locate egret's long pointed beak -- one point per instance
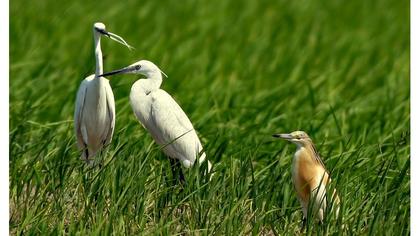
(119, 71)
(104, 32)
(283, 136)
(115, 37)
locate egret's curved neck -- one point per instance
(98, 54)
(146, 86)
(154, 80)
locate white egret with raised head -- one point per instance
(94, 115)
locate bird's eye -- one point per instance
(138, 67)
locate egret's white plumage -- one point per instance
(159, 113)
(94, 115)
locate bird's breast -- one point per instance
(305, 173)
(95, 111)
(141, 104)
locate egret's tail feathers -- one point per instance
(209, 165)
(209, 169)
(202, 159)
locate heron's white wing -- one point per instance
(80, 102)
(170, 125)
(111, 112)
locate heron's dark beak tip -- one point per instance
(276, 135)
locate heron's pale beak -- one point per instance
(119, 71)
(283, 136)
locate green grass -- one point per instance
(241, 70)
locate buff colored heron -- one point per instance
(310, 176)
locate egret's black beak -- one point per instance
(104, 32)
(283, 136)
(119, 71)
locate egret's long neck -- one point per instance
(146, 86)
(154, 80)
(98, 54)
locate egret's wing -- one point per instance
(110, 102)
(162, 101)
(171, 125)
(168, 116)
(80, 102)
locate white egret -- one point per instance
(94, 115)
(162, 116)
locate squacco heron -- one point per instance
(309, 175)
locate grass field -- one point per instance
(241, 70)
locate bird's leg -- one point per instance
(302, 228)
(102, 159)
(181, 175)
(86, 158)
(173, 164)
(176, 167)
(321, 225)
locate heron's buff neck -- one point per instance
(98, 54)
(310, 151)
